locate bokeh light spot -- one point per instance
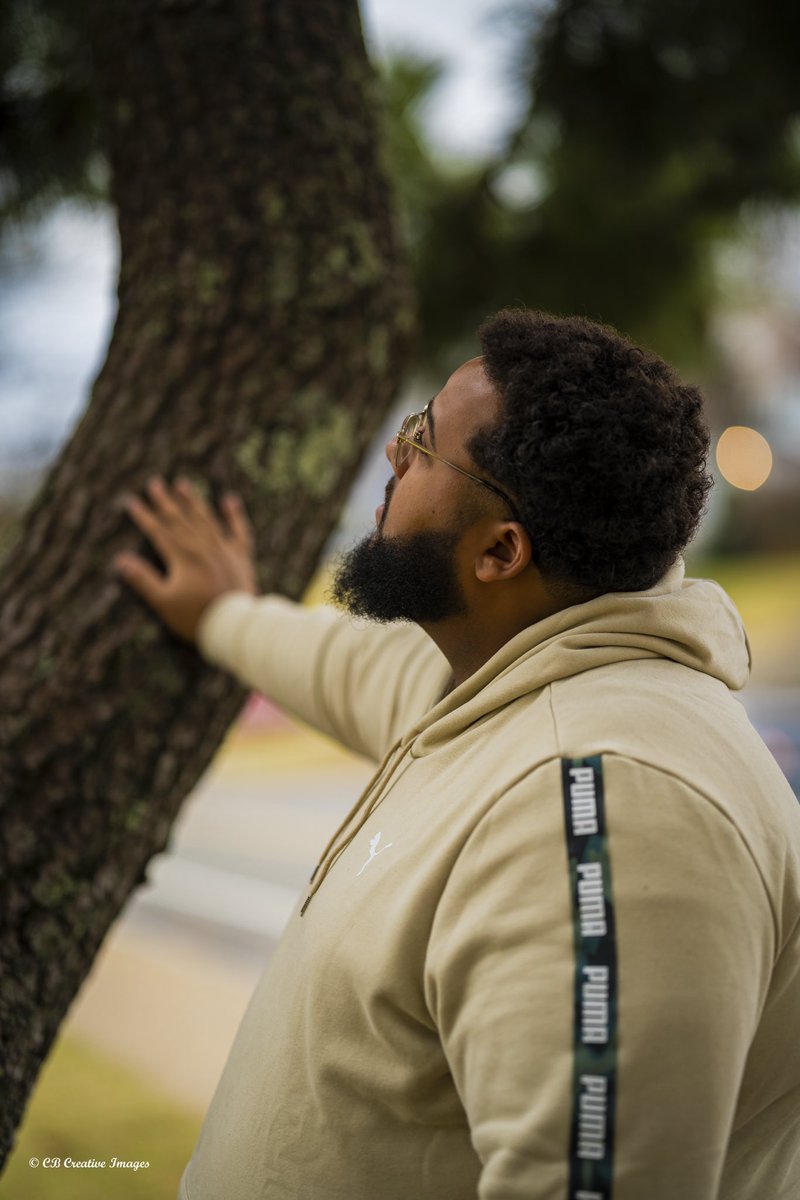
(744, 457)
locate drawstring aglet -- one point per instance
(305, 906)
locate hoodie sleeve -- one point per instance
(596, 997)
(355, 681)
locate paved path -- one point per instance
(168, 991)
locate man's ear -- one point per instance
(507, 556)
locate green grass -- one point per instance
(85, 1106)
(763, 586)
(765, 590)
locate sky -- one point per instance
(57, 282)
(475, 103)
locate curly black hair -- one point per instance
(602, 446)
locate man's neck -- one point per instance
(468, 642)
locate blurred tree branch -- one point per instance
(645, 132)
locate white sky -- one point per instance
(474, 104)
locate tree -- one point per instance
(263, 319)
(50, 143)
(644, 132)
(647, 124)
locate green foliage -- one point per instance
(644, 130)
(663, 120)
(49, 138)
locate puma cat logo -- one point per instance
(374, 851)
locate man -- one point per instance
(553, 950)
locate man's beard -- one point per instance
(400, 578)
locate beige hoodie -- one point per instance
(553, 952)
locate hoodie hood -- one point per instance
(692, 622)
(688, 621)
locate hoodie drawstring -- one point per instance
(338, 844)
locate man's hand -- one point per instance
(203, 557)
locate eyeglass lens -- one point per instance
(408, 429)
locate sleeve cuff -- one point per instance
(219, 625)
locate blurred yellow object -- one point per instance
(744, 457)
(764, 588)
(317, 590)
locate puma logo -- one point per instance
(374, 851)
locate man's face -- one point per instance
(409, 569)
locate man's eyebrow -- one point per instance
(431, 423)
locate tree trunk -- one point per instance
(263, 317)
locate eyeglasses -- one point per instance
(410, 436)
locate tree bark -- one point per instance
(264, 313)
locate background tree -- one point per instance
(645, 131)
(262, 325)
(50, 141)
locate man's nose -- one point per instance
(391, 454)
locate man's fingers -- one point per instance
(163, 500)
(150, 524)
(195, 504)
(141, 576)
(238, 521)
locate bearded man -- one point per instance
(553, 950)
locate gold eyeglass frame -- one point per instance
(410, 434)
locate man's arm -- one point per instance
(363, 684)
(641, 1083)
(360, 683)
